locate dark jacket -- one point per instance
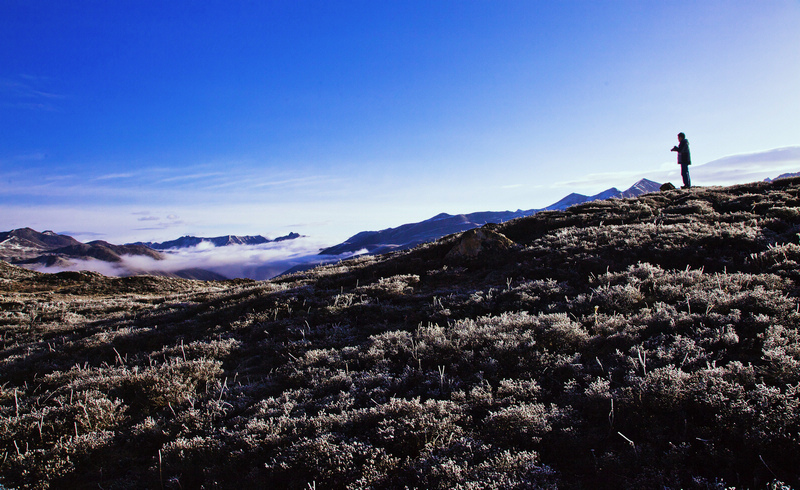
(684, 158)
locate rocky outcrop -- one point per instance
(477, 241)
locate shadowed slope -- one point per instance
(633, 343)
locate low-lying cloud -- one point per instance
(739, 169)
(258, 262)
(730, 170)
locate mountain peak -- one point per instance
(643, 186)
(26, 243)
(412, 234)
(219, 241)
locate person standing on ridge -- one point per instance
(684, 159)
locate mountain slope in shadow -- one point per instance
(627, 343)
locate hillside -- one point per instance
(412, 234)
(649, 342)
(25, 243)
(25, 246)
(98, 249)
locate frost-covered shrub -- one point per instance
(599, 388)
(391, 345)
(154, 386)
(672, 350)
(661, 390)
(619, 298)
(388, 287)
(521, 425)
(46, 468)
(185, 459)
(781, 347)
(518, 390)
(331, 462)
(406, 427)
(536, 295)
(790, 214)
(466, 464)
(210, 349)
(559, 333)
(634, 343)
(695, 206)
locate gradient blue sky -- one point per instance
(144, 120)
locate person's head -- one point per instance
(681, 136)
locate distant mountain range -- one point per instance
(25, 243)
(27, 246)
(47, 249)
(33, 249)
(220, 241)
(410, 235)
(783, 176)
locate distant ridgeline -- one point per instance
(783, 176)
(27, 246)
(220, 241)
(410, 235)
(49, 250)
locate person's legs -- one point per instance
(687, 181)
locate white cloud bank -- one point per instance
(739, 169)
(729, 170)
(233, 261)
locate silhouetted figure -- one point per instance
(684, 159)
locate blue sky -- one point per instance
(144, 120)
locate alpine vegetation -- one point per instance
(649, 342)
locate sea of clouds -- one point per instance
(258, 262)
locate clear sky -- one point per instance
(143, 120)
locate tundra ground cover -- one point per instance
(638, 343)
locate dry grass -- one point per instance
(639, 343)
